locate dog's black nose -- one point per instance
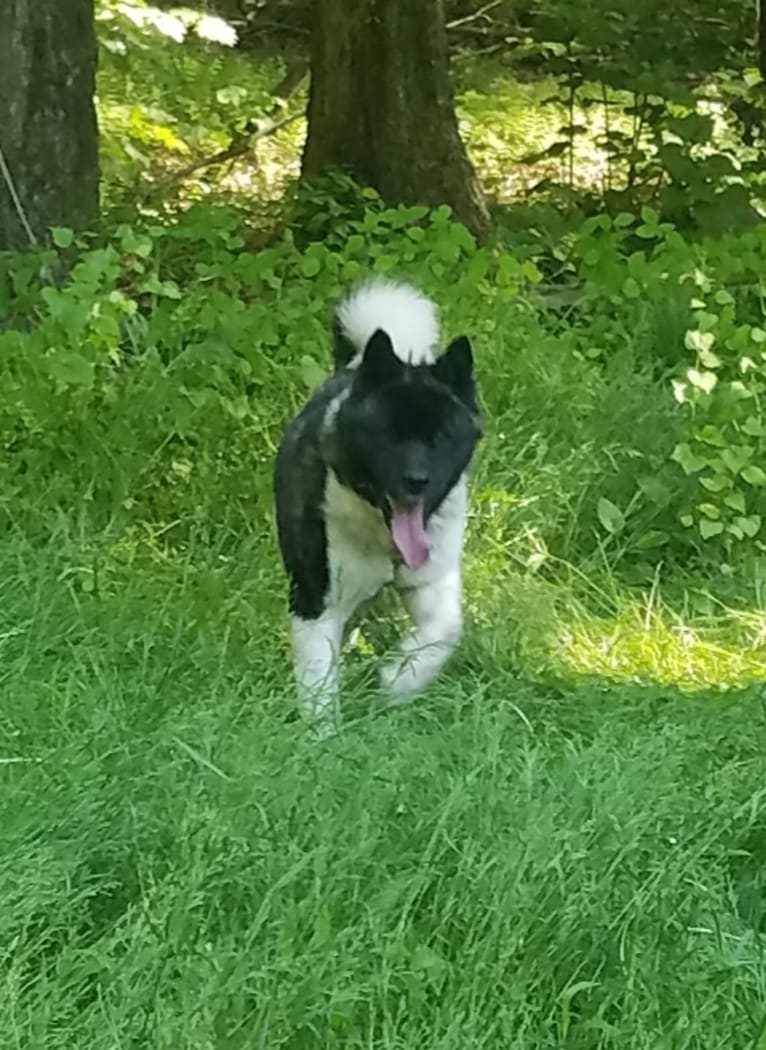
(415, 482)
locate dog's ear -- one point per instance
(455, 370)
(379, 363)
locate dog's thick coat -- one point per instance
(370, 489)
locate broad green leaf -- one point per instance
(655, 490)
(705, 322)
(710, 511)
(351, 270)
(448, 250)
(736, 501)
(716, 483)
(679, 390)
(709, 359)
(751, 526)
(310, 266)
(463, 237)
(610, 516)
(689, 461)
(652, 539)
(530, 272)
(697, 340)
(753, 427)
(702, 380)
(711, 435)
(62, 236)
(171, 290)
(724, 298)
(135, 243)
(737, 458)
(708, 529)
(754, 475)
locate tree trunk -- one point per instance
(381, 104)
(48, 132)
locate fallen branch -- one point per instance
(475, 16)
(295, 74)
(241, 144)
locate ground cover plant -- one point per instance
(562, 845)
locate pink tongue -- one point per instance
(409, 535)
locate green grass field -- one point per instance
(504, 864)
(563, 845)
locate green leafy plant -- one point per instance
(174, 93)
(722, 393)
(139, 380)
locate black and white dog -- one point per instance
(370, 489)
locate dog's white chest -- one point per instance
(359, 551)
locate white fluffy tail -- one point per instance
(408, 318)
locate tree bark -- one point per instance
(48, 131)
(381, 104)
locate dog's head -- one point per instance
(405, 434)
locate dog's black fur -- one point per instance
(388, 430)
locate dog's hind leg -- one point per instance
(316, 654)
(435, 608)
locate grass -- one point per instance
(562, 846)
(509, 863)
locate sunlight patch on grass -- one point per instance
(546, 618)
(545, 629)
(652, 645)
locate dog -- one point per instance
(370, 489)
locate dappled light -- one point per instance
(183, 113)
(176, 23)
(559, 622)
(653, 646)
(276, 277)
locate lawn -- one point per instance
(507, 863)
(562, 845)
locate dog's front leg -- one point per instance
(435, 608)
(316, 654)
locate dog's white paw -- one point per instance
(323, 727)
(400, 681)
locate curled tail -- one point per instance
(408, 318)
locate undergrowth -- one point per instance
(150, 374)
